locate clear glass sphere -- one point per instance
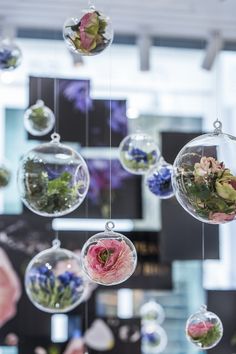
(53, 179)
(138, 153)
(54, 280)
(204, 329)
(5, 174)
(154, 339)
(89, 34)
(39, 120)
(109, 258)
(204, 178)
(152, 311)
(10, 55)
(159, 180)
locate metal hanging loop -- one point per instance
(110, 225)
(55, 138)
(218, 126)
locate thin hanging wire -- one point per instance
(110, 137)
(39, 88)
(203, 243)
(56, 105)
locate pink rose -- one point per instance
(109, 261)
(199, 329)
(208, 165)
(221, 217)
(10, 289)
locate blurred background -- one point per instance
(171, 71)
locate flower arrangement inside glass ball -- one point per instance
(204, 329)
(159, 180)
(10, 55)
(39, 119)
(109, 258)
(89, 34)
(53, 179)
(54, 280)
(138, 153)
(5, 175)
(204, 178)
(154, 338)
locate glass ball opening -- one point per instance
(53, 179)
(159, 180)
(204, 178)
(10, 55)
(54, 280)
(204, 329)
(89, 34)
(109, 258)
(39, 120)
(138, 153)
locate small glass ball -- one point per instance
(5, 175)
(138, 153)
(204, 329)
(152, 311)
(204, 178)
(10, 55)
(39, 120)
(89, 34)
(154, 339)
(54, 280)
(53, 179)
(159, 180)
(109, 258)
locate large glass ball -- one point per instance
(10, 55)
(54, 280)
(138, 153)
(39, 120)
(159, 180)
(89, 34)
(53, 179)
(154, 339)
(152, 311)
(109, 258)
(204, 329)
(204, 178)
(5, 174)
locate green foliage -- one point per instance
(211, 337)
(39, 118)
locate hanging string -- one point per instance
(39, 88)
(110, 137)
(56, 106)
(203, 243)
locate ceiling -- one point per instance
(171, 18)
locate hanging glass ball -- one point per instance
(53, 179)
(204, 177)
(154, 339)
(5, 175)
(89, 34)
(204, 329)
(138, 153)
(54, 280)
(152, 311)
(159, 180)
(109, 258)
(10, 55)
(39, 120)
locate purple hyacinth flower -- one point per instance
(138, 155)
(159, 182)
(5, 56)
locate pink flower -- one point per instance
(10, 289)
(208, 165)
(89, 27)
(200, 329)
(109, 261)
(75, 346)
(221, 217)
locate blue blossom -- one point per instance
(69, 278)
(5, 56)
(138, 155)
(159, 182)
(152, 337)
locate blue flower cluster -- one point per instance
(5, 57)
(159, 183)
(138, 155)
(153, 338)
(54, 292)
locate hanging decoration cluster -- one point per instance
(39, 120)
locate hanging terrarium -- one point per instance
(39, 120)
(5, 174)
(154, 339)
(152, 311)
(89, 34)
(109, 258)
(204, 329)
(54, 280)
(10, 55)
(204, 177)
(159, 180)
(53, 179)
(138, 153)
